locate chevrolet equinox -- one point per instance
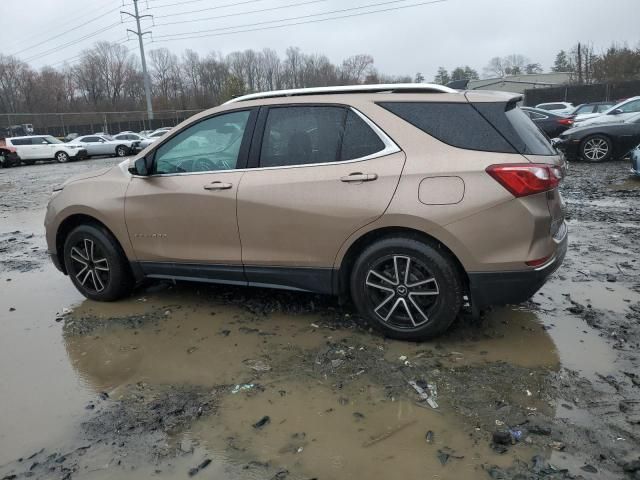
(415, 200)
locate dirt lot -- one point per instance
(189, 380)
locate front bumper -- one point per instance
(570, 148)
(80, 154)
(513, 287)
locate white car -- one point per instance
(600, 119)
(152, 138)
(45, 147)
(102, 145)
(557, 107)
(630, 105)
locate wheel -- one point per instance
(4, 163)
(121, 151)
(596, 148)
(62, 157)
(406, 289)
(96, 264)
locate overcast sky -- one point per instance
(404, 41)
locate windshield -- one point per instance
(51, 139)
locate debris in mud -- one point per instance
(387, 434)
(445, 453)
(243, 388)
(257, 365)
(429, 436)
(195, 470)
(88, 324)
(262, 422)
(427, 392)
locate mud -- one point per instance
(176, 381)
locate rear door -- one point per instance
(41, 149)
(321, 173)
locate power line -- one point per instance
(75, 27)
(170, 37)
(208, 8)
(174, 4)
(246, 12)
(72, 42)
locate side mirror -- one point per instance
(617, 111)
(142, 167)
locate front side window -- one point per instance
(631, 107)
(210, 145)
(39, 141)
(90, 139)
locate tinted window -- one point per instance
(457, 124)
(602, 108)
(359, 139)
(209, 145)
(39, 141)
(90, 139)
(535, 115)
(302, 136)
(21, 141)
(584, 109)
(527, 136)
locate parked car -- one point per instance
(601, 142)
(409, 198)
(129, 136)
(582, 111)
(145, 133)
(97, 145)
(600, 119)
(45, 147)
(630, 105)
(152, 138)
(635, 161)
(8, 155)
(557, 107)
(70, 137)
(550, 123)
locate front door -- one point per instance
(182, 219)
(323, 172)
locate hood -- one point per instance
(85, 176)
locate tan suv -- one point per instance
(413, 199)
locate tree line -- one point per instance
(108, 77)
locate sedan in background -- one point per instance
(152, 138)
(557, 107)
(630, 105)
(586, 109)
(98, 145)
(550, 123)
(635, 161)
(602, 142)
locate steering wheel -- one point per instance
(203, 164)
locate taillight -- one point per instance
(522, 179)
(566, 121)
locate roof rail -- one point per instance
(381, 88)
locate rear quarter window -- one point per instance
(456, 124)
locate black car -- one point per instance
(601, 142)
(552, 124)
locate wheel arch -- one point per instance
(73, 221)
(341, 280)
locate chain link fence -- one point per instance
(577, 94)
(62, 124)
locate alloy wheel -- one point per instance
(91, 267)
(401, 291)
(62, 157)
(121, 152)
(596, 149)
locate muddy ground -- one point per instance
(188, 380)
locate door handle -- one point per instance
(359, 177)
(218, 186)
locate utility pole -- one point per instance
(145, 74)
(579, 63)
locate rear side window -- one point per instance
(20, 141)
(359, 139)
(516, 127)
(456, 124)
(302, 136)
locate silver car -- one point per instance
(102, 145)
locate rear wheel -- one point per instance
(596, 148)
(62, 157)
(96, 264)
(406, 289)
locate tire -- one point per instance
(596, 148)
(121, 151)
(62, 157)
(4, 163)
(96, 264)
(418, 309)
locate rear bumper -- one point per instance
(513, 287)
(81, 154)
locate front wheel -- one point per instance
(122, 151)
(62, 157)
(596, 148)
(406, 289)
(96, 264)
